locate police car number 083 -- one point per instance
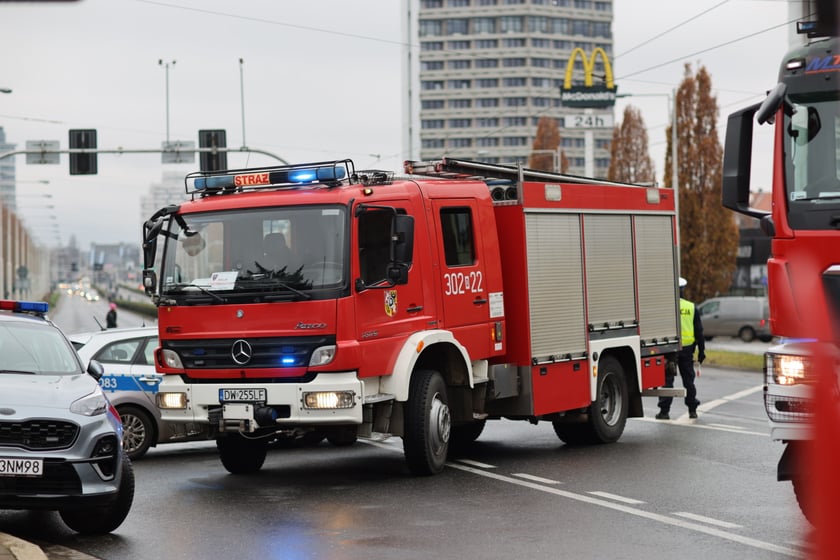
(10, 466)
(241, 395)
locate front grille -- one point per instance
(38, 434)
(276, 352)
(59, 478)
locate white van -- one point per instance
(746, 317)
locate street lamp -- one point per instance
(166, 66)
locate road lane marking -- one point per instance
(537, 478)
(476, 464)
(617, 498)
(729, 426)
(709, 520)
(693, 424)
(664, 519)
(729, 398)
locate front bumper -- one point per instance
(203, 404)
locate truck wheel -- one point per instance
(747, 334)
(138, 431)
(607, 415)
(241, 455)
(427, 423)
(104, 519)
(800, 489)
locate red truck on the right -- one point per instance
(803, 271)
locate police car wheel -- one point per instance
(138, 431)
(104, 519)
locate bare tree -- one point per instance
(708, 232)
(546, 142)
(630, 161)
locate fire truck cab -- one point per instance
(319, 299)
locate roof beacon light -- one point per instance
(269, 176)
(24, 306)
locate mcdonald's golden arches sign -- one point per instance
(589, 94)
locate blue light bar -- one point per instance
(269, 176)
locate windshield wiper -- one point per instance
(269, 283)
(24, 372)
(182, 287)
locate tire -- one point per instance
(342, 437)
(138, 431)
(427, 423)
(241, 455)
(463, 435)
(607, 416)
(800, 489)
(104, 519)
(747, 334)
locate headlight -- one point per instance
(177, 401)
(91, 405)
(787, 369)
(329, 399)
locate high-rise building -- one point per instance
(7, 174)
(489, 69)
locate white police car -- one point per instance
(59, 436)
(131, 384)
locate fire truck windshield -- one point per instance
(261, 254)
(812, 161)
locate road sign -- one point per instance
(49, 153)
(589, 121)
(177, 151)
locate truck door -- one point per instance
(463, 273)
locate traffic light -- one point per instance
(209, 161)
(83, 164)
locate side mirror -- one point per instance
(149, 281)
(95, 370)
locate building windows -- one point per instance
(514, 62)
(487, 2)
(486, 44)
(457, 45)
(460, 142)
(431, 46)
(601, 29)
(430, 27)
(514, 43)
(430, 85)
(489, 142)
(602, 144)
(458, 26)
(541, 82)
(515, 141)
(515, 101)
(431, 65)
(431, 123)
(431, 104)
(541, 43)
(459, 64)
(603, 6)
(432, 143)
(458, 3)
(487, 82)
(490, 122)
(460, 123)
(458, 84)
(514, 82)
(511, 24)
(484, 25)
(431, 4)
(541, 62)
(515, 121)
(487, 102)
(460, 103)
(602, 162)
(562, 45)
(538, 24)
(541, 102)
(487, 63)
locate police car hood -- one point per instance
(44, 391)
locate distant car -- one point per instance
(59, 436)
(131, 384)
(745, 317)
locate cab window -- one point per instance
(458, 244)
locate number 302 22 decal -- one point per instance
(457, 283)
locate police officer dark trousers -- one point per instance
(691, 332)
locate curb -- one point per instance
(20, 549)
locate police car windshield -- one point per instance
(37, 349)
(263, 253)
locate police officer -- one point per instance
(691, 332)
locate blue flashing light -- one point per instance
(302, 175)
(330, 173)
(287, 360)
(211, 183)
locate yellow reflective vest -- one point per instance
(686, 321)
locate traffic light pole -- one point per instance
(243, 149)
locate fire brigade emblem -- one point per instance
(391, 303)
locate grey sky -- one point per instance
(322, 80)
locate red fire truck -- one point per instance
(804, 224)
(319, 300)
